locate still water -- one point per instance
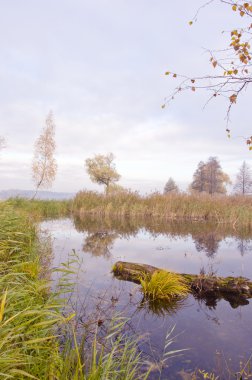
(217, 336)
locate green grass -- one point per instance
(163, 285)
(36, 340)
(234, 210)
(115, 357)
(29, 313)
(41, 209)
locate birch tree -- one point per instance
(44, 166)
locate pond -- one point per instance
(217, 334)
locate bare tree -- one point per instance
(243, 183)
(232, 64)
(101, 170)
(170, 186)
(44, 166)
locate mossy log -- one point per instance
(235, 290)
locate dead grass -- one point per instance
(235, 210)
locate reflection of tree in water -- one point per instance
(244, 246)
(208, 242)
(94, 224)
(99, 243)
(204, 234)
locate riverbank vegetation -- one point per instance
(37, 340)
(41, 209)
(29, 312)
(223, 209)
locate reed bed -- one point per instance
(41, 209)
(235, 210)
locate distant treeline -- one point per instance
(209, 178)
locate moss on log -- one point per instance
(235, 290)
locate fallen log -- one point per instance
(235, 290)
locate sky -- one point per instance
(99, 66)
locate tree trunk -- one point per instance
(235, 290)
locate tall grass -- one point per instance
(163, 285)
(115, 357)
(36, 340)
(196, 207)
(41, 209)
(28, 311)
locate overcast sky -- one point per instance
(99, 65)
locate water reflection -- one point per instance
(208, 243)
(121, 226)
(208, 325)
(103, 231)
(162, 308)
(211, 300)
(99, 243)
(244, 246)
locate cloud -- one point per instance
(100, 66)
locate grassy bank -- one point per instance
(218, 209)
(28, 311)
(36, 340)
(41, 209)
